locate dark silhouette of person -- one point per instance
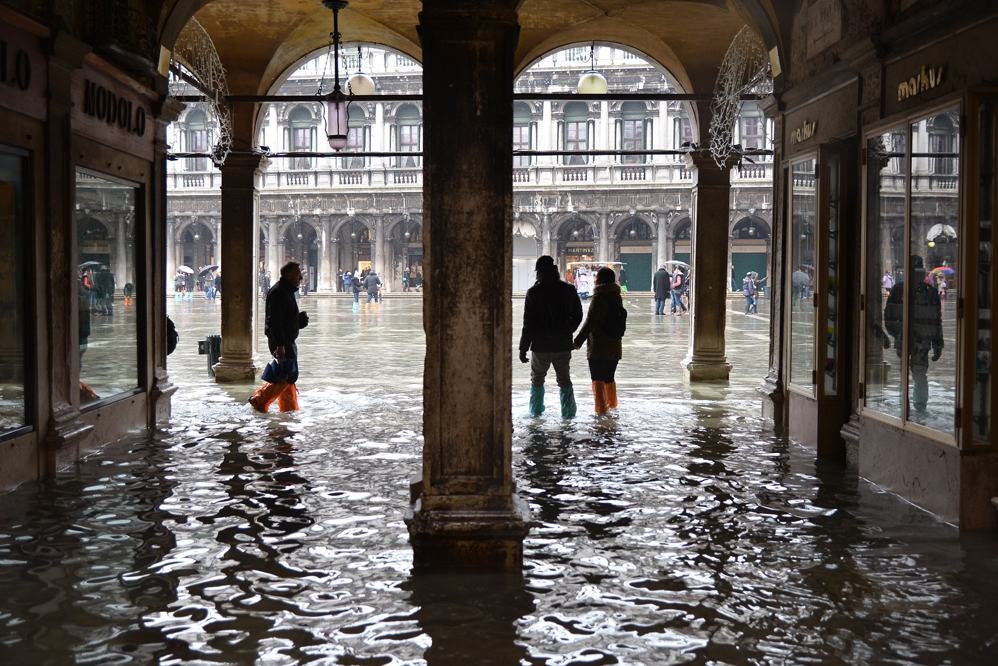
(925, 315)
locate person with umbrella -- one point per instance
(208, 279)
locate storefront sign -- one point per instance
(23, 79)
(804, 132)
(927, 79)
(113, 109)
(15, 66)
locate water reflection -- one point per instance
(678, 530)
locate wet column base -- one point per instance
(235, 370)
(703, 370)
(461, 538)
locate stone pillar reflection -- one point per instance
(120, 254)
(326, 281)
(240, 202)
(380, 261)
(273, 251)
(706, 360)
(465, 512)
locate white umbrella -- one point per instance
(187, 270)
(681, 264)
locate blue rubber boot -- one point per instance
(536, 400)
(568, 406)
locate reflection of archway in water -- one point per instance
(301, 245)
(634, 238)
(197, 244)
(576, 242)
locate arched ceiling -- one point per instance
(259, 39)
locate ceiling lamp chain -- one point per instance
(337, 104)
(592, 82)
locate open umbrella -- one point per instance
(186, 270)
(676, 262)
(90, 264)
(207, 269)
(945, 270)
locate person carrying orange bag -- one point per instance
(283, 321)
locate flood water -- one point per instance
(678, 531)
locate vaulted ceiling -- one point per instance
(258, 40)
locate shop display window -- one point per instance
(107, 286)
(985, 278)
(14, 272)
(804, 219)
(913, 271)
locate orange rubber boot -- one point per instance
(611, 395)
(265, 396)
(287, 401)
(599, 395)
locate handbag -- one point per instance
(279, 372)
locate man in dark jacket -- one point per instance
(551, 314)
(925, 319)
(662, 284)
(372, 283)
(281, 325)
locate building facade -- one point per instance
(336, 214)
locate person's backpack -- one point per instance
(615, 323)
(172, 337)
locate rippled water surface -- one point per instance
(677, 531)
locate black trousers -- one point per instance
(602, 371)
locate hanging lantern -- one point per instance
(592, 82)
(337, 114)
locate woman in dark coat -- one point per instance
(603, 351)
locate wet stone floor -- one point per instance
(677, 531)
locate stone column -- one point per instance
(546, 235)
(171, 255)
(239, 223)
(327, 282)
(603, 253)
(273, 251)
(465, 512)
(380, 261)
(706, 360)
(663, 236)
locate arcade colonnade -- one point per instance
(886, 142)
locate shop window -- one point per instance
(14, 272)
(981, 416)
(301, 128)
(576, 128)
(109, 295)
(911, 336)
(408, 132)
(803, 252)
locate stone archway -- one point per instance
(634, 240)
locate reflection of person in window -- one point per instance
(926, 327)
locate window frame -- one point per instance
(957, 103)
(807, 390)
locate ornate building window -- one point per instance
(197, 140)
(301, 136)
(576, 131)
(752, 128)
(358, 135)
(633, 131)
(409, 134)
(522, 133)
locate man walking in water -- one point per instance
(282, 323)
(551, 314)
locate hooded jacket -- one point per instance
(551, 314)
(601, 347)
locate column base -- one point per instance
(706, 370)
(234, 370)
(460, 538)
(160, 398)
(63, 440)
(850, 436)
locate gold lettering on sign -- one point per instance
(804, 132)
(927, 79)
